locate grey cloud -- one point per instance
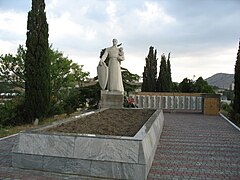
(201, 29)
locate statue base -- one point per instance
(111, 99)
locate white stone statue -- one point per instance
(114, 77)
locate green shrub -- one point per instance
(83, 97)
(12, 112)
(56, 108)
(226, 107)
(237, 119)
(227, 110)
(72, 102)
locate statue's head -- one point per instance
(115, 41)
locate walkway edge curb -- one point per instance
(224, 117)
(8, 136)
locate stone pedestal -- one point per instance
(111, 99)
(211, 104)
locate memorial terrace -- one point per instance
(192, 146)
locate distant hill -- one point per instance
(221, 80)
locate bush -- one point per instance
(56, 108)
(227, 110)
(84, 97)
(72, 102)
(237, 119)
(12, 112)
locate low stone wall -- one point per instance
(116, 157)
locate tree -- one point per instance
(64, 72)
(79, 75)
(201, 86)
(175, 87)
(83, 97)
(37, 65)
(12, 68)
(4, 87)
(169, 75)
(163, 78)
(229, 94)
(150, 71)
(64, 75)
(129, 80)
(236, 102)
(186, 86)
(164, 81)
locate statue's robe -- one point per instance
(115, 82)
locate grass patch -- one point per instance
(9, 130)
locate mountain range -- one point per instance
(221, 80)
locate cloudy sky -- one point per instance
(202, 36)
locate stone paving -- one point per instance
(192, 146)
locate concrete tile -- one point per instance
(78, 166)
(50, 145)
(102, 169)
(27, 161)
(54, 164)
(106, 149)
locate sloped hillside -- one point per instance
(221, 80)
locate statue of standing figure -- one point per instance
(111, 75)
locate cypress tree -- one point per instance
(236, 103)
(164, 81)
(163, 75)
(37, 65)
(169, 75)
(145, 79)
(150, 71)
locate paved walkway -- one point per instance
(192, 146)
